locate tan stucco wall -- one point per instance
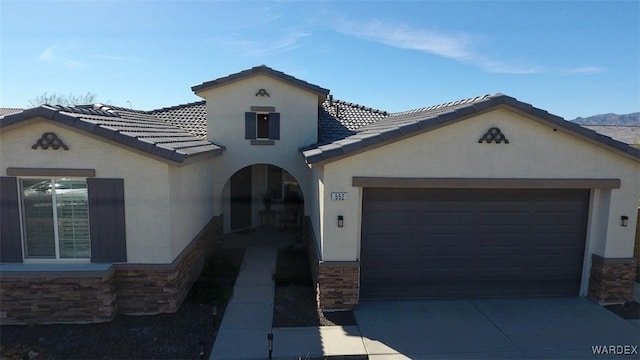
(146, 181)
(226, 106)
(191, 202)
(535, 151)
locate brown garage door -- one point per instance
(453, 243)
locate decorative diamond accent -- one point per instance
(50, 139)
(263, 92)
(494, 135)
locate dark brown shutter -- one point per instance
(250, 125)
(107, 220)
(274, 126)
(10, 238)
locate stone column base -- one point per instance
(337, 282)
(338, 285)
(611, 279)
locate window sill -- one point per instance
(262, 142)
(78, 269)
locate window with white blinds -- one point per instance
(55, 216)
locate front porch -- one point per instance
(261, 195)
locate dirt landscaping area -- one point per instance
(295, 295)
(186, 334)
(630, 310)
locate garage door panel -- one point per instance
(447, 243)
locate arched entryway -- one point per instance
(262, 195)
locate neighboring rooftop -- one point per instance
(626, 134)
(7, 111)
(134, 128)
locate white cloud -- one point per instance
(585, 70)
(48, 54)
(459, 47)
(500, 67)
(262, 47)
(52, 55)
(450, 46)
(115, 58)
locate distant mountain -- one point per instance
(632, 119)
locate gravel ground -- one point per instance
(295, 296)
(630, 310)
(181, 335)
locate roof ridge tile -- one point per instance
(257, 70)
(179, 106)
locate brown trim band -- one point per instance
(13, 171)
(262, 142)
(29, 270)
(597, 259)
(342, 264)
(263, 108)
(456, 183)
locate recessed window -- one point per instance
(262, 124)
(55, 218)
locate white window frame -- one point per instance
(23, 224)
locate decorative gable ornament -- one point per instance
(494, 135)
(263, 92)
(50, 139)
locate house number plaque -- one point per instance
(339, 196)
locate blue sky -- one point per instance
(570, 58)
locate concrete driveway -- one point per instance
(493, 328)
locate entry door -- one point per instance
(241, 199)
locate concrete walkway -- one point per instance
(247, 319)
(249, 314)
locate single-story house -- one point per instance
(108, 210)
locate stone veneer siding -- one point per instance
(611, 280)
(337, 282)
(42, 298)
(88, 297)
(338, 285)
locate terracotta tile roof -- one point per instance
(190, 117)
(137, 129)
(265, 70)
(400, 125)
